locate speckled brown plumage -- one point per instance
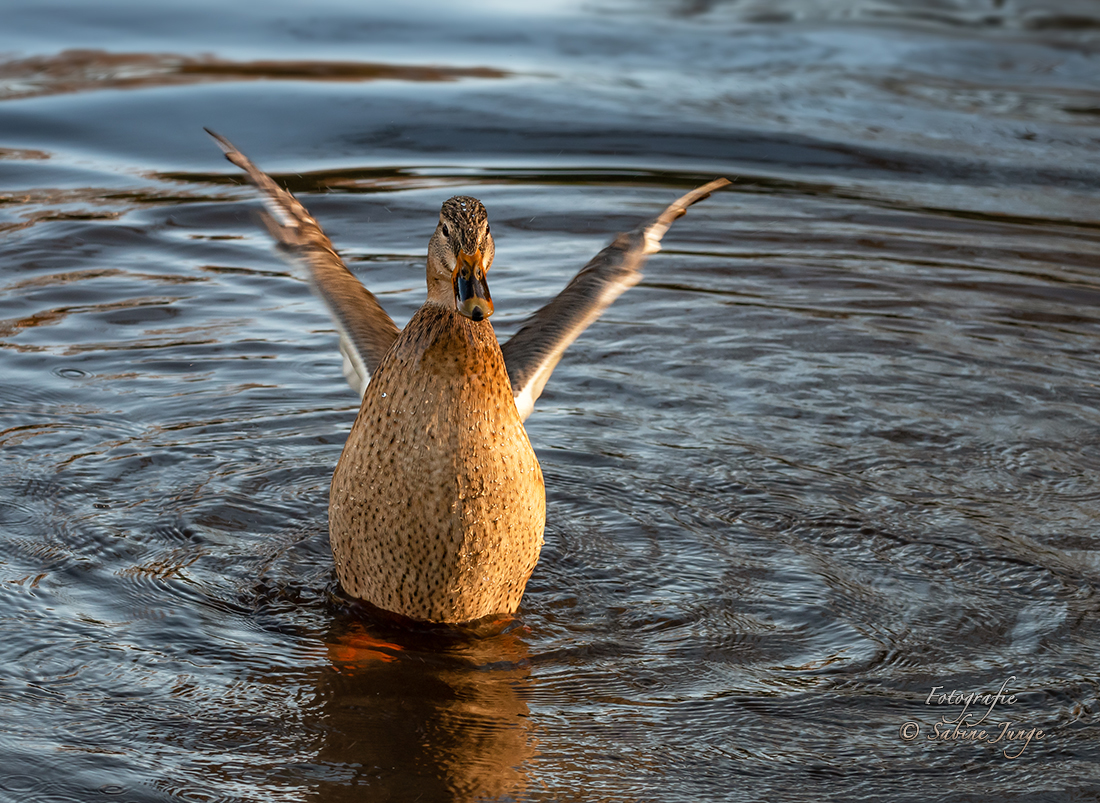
(437, 505)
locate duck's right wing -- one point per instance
(366, 331)
(535, 349)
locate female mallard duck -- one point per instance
(437, 505)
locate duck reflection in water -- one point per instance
(422, 713)
(437, 505)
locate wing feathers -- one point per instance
(366, 331)
(536, 348)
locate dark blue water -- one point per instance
(839, 448)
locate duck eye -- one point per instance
(446, 231)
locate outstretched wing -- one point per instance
(366, 331)
(535, 349)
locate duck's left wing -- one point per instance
(366, 331)
(533, 352)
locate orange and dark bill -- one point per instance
(472, 297)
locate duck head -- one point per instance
(459, 255)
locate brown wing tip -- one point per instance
(678, 208)
(231, 152)
(699, 193)
(225, 144)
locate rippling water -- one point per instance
(837, 449)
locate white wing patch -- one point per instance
(355, 372)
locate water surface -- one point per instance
(837, 449)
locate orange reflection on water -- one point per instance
(438, 713)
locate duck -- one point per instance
(437, 506)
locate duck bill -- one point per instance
(472, 297)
